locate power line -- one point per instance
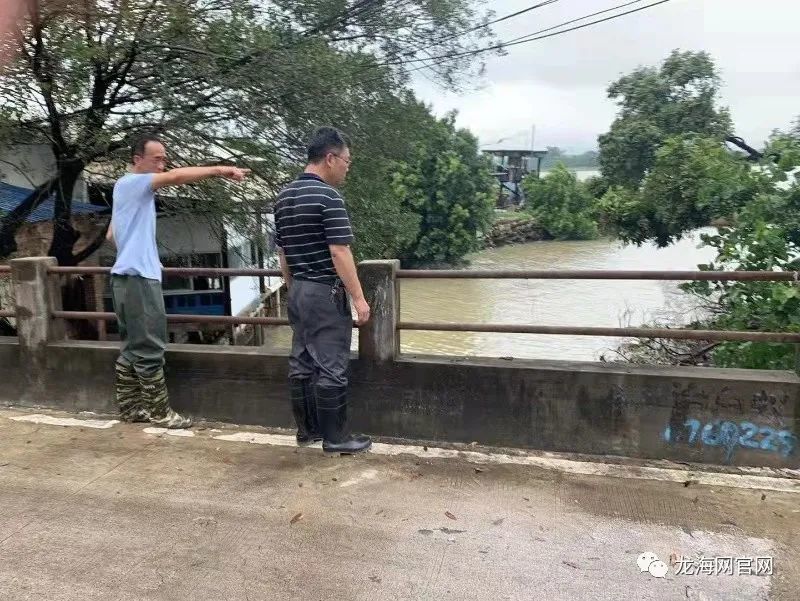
(528, 38)
(531, 37)
(495, 21)
(457, 34)
(535, 33)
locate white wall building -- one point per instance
(183, 241)
(30, 165)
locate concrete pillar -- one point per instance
(38, 294)
(379, 340)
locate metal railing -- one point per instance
(598, 274)
(673, 333)
(178, 271)
(171, 318)
(174, 318)
(501, 328)
(556, 274)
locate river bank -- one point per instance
(515, 230)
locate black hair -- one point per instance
(140, 144)
(325, 140)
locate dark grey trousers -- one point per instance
(322, 328)
(139, 305)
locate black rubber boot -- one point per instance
(304, 407)
(332, 411)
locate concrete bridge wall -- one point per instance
(723, 416)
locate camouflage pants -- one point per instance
(141, 389)
(140, 397)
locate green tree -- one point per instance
(384, 137)
(221, 80)
(671, 173)
(597, 186)
(692, 181)
(449, 185)
(677, 98)
(765, 236)
(561, 204)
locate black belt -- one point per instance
(335, 283)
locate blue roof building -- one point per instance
(12, 196)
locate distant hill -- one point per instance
(586, 160)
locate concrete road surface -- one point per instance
(91, 509)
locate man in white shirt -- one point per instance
(141, 389)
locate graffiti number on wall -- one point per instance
(729, 435)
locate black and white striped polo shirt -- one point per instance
(310, 215)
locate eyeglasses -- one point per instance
(338, 156)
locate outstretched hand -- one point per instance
(236, 174)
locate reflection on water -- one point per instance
(543, 302)
(549, 302)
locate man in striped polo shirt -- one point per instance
(313, 234)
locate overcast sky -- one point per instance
(559, 83)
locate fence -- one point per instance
(670, 333)
(381, 337)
